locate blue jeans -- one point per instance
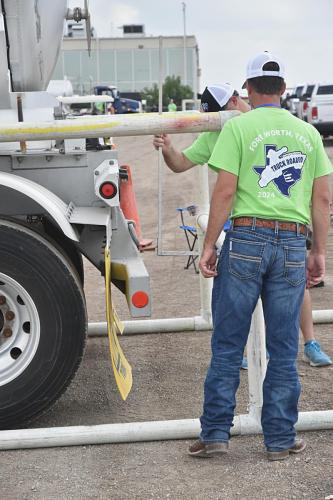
(256, 261)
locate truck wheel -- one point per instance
(43, 324)
(66, 246)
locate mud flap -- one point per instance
(121, 368)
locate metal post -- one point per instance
(160, 169)
(23, 144)
(160, 74)
(198, 70)
(98, 75)
(184, 40)
(206, 284)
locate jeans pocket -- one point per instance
(294, 265)
(245, 258)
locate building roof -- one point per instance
(144, 42)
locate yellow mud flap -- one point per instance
(121, 368)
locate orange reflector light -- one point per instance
(108, 190)
(140, 299)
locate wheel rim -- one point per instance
(19, 329)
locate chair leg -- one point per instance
(194, 264)
(192, 258)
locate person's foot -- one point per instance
(314, 355)
(206, 450)
(244, 365)
(298, 447)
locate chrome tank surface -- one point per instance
(34, 31)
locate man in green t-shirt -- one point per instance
(214, 98)
(172, 106)
(272, 168)
(224, 98)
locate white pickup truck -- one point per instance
(293, 98)
(320, 110)
(303, 103)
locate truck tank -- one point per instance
(58, 202)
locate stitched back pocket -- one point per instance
(245, 258)
(294, 265)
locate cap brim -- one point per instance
(244, 85)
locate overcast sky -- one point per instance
(229, 32)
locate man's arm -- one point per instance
(320, 223)
(220, 208)
(175, 160)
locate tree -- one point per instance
(172, 89)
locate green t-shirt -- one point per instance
(200, 151)
(172, 106)
(276, 157)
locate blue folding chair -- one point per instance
(190, 235)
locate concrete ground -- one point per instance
(168, 372)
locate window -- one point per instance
(325, 89)
(133, 28)
(308, 90)
(299, 91)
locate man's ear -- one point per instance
(249, 88)
(232, 104)
(284, 86)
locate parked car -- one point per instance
(293, 99)
(120, 104)
(320, 109)
(303, 102)
(83, 105)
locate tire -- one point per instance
(42, 338)
(58, 240)
(66, 246)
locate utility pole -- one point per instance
(160, 74)
(185, 59)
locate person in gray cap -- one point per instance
(272, 167)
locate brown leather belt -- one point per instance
(271, 224)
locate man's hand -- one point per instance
(161, 141)
(315, 269)
(220, 208)
(175, 160)
(207, 264)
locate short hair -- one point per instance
(269, 85)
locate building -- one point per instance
(130, 63)
(75, 29)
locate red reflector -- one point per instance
(140, 299)
(305, 106)
(314, 113)
(108, 190)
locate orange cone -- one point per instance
(130, 209)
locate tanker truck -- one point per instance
(58, 202)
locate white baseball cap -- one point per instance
(255, 66)
(216, 96)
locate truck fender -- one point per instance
(55, 207)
